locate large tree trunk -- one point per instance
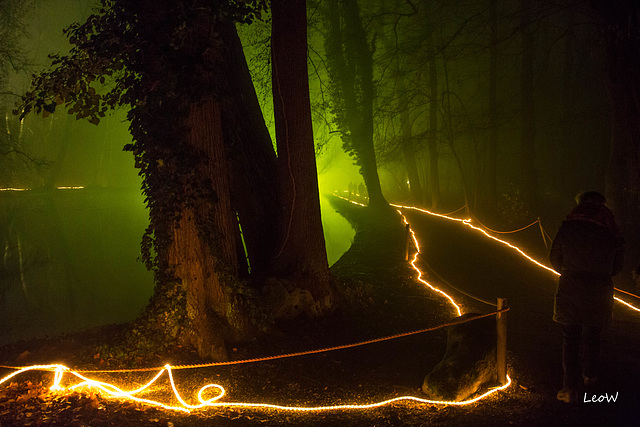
(302, 253)
(197, 251)
(196, 258)
(253, 162)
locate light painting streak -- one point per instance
(627, 304)
(29, 189)
(114, 392)
(416, 255)
(467, 222)
(413, 264)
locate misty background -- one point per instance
(480, 103)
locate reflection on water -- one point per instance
(338, 233)
(69, 261)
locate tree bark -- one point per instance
(302, 253)
(191, 256)
(202, 253)
(253, 161)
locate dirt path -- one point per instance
(455, 254)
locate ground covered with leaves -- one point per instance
(379, 297)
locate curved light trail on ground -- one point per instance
(204, 402)
(467, 222)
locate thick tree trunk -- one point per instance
(302, 253)
(198, 252)
(253, 162)
(203, 248)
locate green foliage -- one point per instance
(155, 58)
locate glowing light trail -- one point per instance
(117, 393)
(420, 279)
(416, 255)
(467, 222)
(29, 189)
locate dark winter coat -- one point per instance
(587, 253)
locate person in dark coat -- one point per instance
(587, 251)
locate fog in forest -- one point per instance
(443, 82)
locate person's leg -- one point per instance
(591, 337)
(571, 355)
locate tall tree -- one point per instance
(619, 51)
(527, 108)
(350, 66)
(432, 136)
(12, 59)
(302, 248)
(492, 151)
(203, 151)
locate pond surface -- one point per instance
(69, 259)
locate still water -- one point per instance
(69, 259)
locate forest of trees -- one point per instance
(507, 107)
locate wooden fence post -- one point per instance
(501, 349)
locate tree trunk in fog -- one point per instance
(408, 143)
(302, 255)
(619, 24)
(492, 149)
(351, 70)
(432, 138)
(51, 179)
(527, 109)
(410, 161)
